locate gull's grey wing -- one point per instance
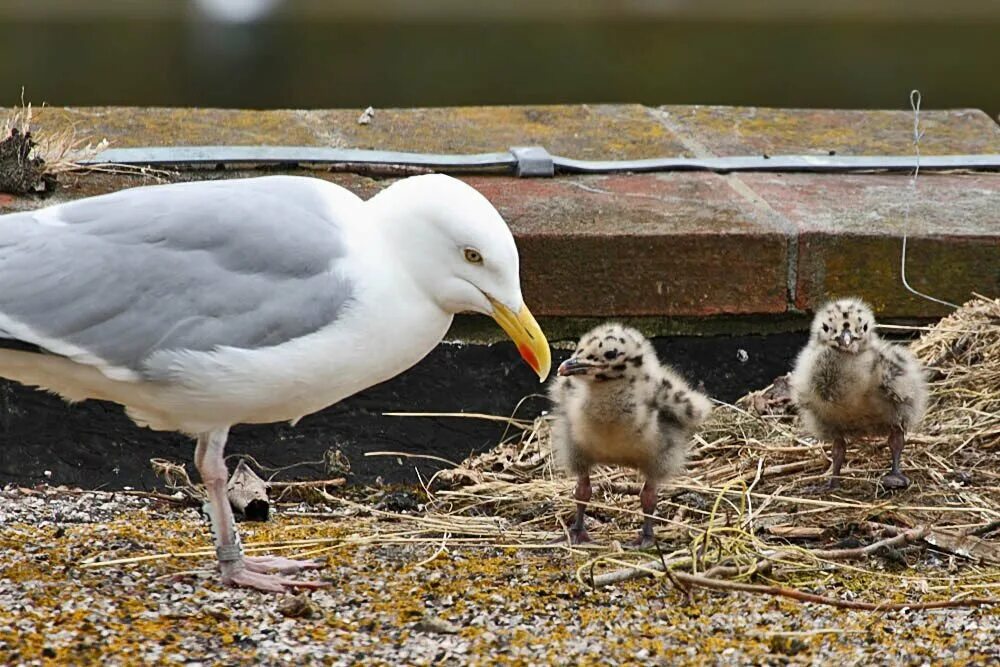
(243, 263)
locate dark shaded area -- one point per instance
(298, 64)
(93, 444)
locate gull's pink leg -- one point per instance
(237, 569)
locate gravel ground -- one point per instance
(393, 605)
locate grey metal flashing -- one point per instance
(527, 161)
(783, 163)
(533, 161)
(172, 156)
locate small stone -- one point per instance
(786, 645)
(218, 612)
(399, 500)
(436, 625)
(299, 606)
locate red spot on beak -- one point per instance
(528, 356)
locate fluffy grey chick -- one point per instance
(614, 403)
(849, 382)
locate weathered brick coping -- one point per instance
(668, 245)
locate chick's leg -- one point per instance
(647, 499)
(896, 479)
(582, 494)
(837, 456)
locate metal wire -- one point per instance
(917, 136)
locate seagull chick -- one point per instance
(849, 382)
(203, 305)
(616, 404)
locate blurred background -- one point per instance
(403, 53)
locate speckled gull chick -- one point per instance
(202, 305)
(848, 382)
(615, 403)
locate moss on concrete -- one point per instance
(761, 130)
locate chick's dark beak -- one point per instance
(577, 366)
(845, 338)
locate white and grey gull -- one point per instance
(202, 305)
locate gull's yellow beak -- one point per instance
(526, 334)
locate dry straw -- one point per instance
(749, 494)
(61, 151)
(64, 150)
(745, 517)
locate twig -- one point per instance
(408, 455)
(186, 501)
(764, 563)
(860, 553)
(519, 423)
(802, 596)
(649, 568)
(983, 530)
(310, 484)
(368, 169)
(763, 566)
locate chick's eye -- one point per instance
(865, 327)
(472, 256)
(826, 328)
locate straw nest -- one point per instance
(746, 502)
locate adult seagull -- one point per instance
(202, 305)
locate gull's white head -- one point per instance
(461, 253)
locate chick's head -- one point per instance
(608, 352)
(845, 325)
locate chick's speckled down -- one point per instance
(849, 382)
(615, 403)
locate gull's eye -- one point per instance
(473, 256)
(826, 328)
(865, 328)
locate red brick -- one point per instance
(677, 244)
(851, 229)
